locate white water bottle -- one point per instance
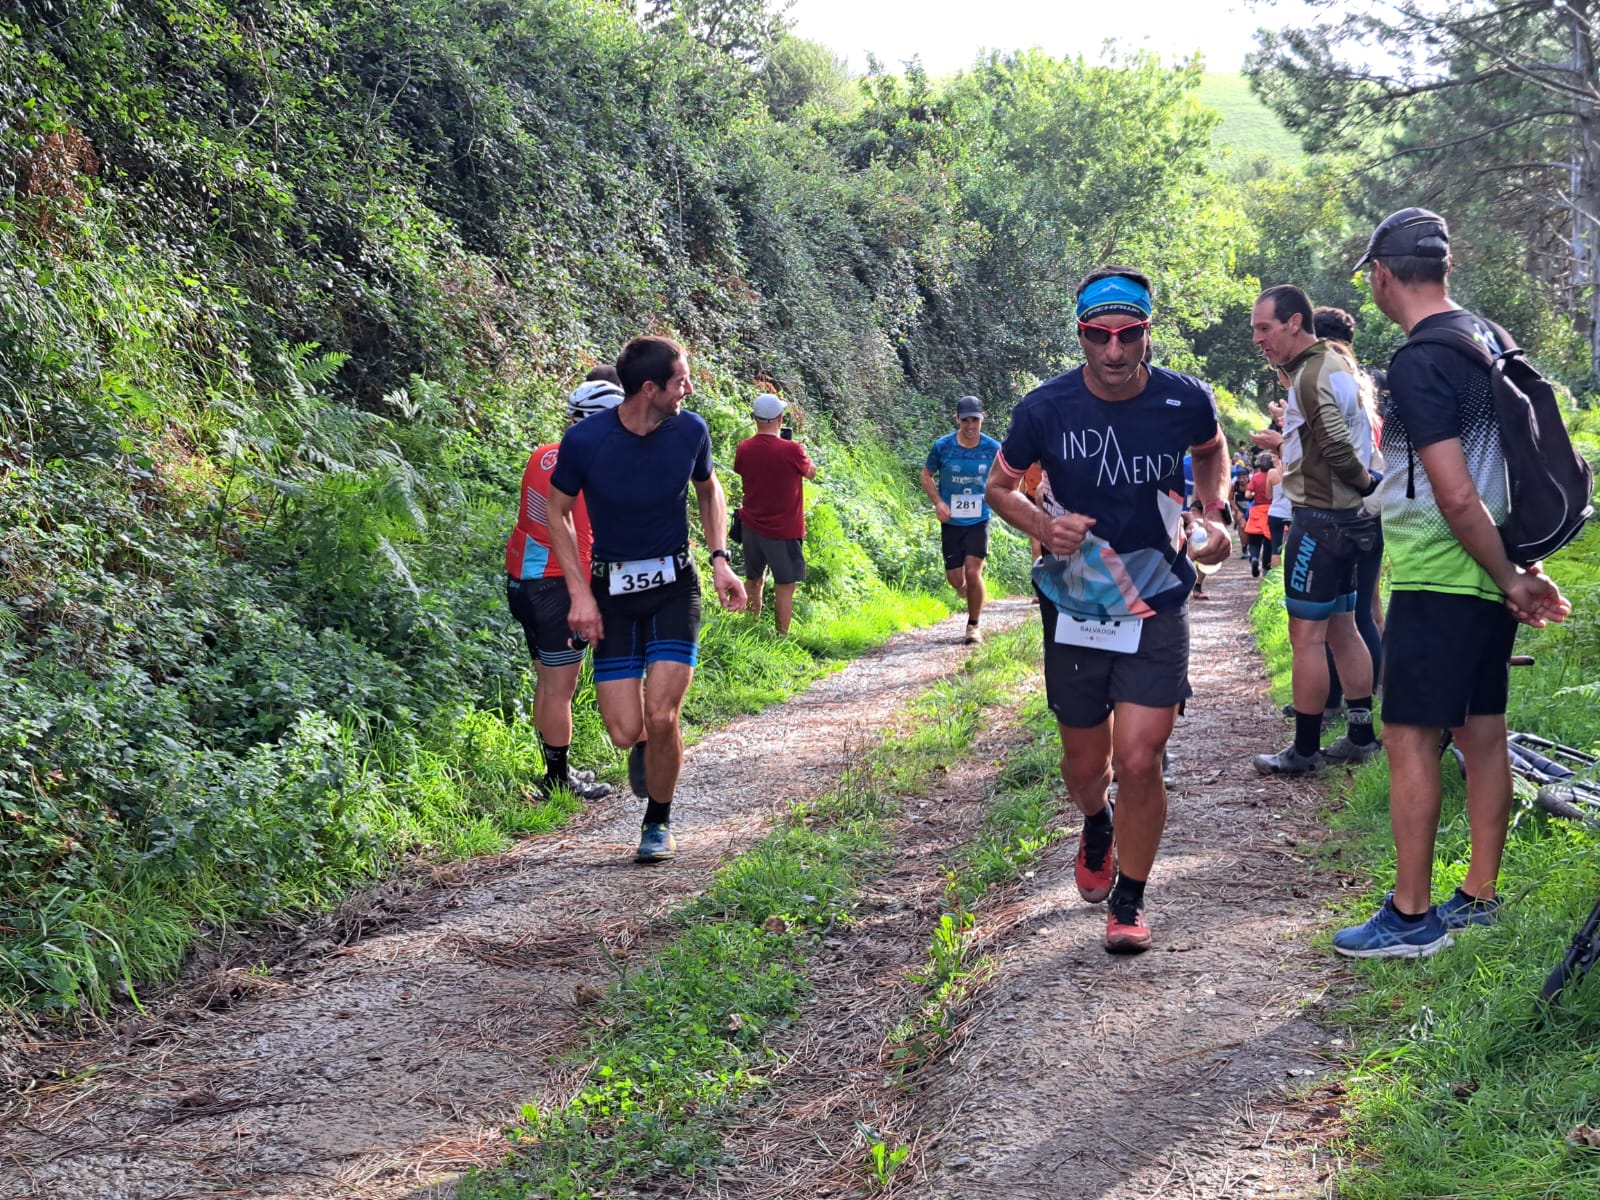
(1198, 537)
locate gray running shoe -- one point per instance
(656, 843)
(583, 789)
(636, 773)
(1343, 750)
(1289, 761)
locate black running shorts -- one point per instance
(786, 557)
(1445, 658)
(1083, 685)
(961, 542)
(540, 606)
(658, 625)
(1320, 556)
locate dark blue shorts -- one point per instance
(658, 625)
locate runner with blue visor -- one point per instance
(1115, 578)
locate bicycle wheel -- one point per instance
(1571, 800)
(1563, 973)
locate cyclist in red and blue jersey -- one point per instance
(537, 596)
(1114, 582)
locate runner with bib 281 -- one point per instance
(955, 477)
(1115, 578)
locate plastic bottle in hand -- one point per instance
(1198, 537)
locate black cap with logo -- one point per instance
(969, 406)
(1413, 232)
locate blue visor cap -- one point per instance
(1113, 294)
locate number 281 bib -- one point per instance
(966, 504)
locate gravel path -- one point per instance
(378, 1067)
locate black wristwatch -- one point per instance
(716, 554)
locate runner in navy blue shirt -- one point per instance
(956, 477)
(1115, 579)
(639, 603)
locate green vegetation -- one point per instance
(678, 1044)
(1249, 129)
(1022, 819)
(1455, 1087)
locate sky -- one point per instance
(949, 33)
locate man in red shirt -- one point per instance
(773, 513)
(537, 595)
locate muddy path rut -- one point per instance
(386, 1067)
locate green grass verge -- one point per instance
(1455, 1088)
(678, 1044)
(1021, 820)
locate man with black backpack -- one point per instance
(1457, 594)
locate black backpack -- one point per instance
(1551, 485)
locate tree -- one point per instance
(1489, 109)
(744, 29)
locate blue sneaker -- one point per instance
(1462, 910)
(1386, 935)
(656, 843)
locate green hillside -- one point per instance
(1249, 128)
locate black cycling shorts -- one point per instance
(1084, 685)
(1445, 658)
(961, 542)
(657, 625)
(1320, 557)
(786, 557)
(540, 606)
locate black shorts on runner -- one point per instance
(961, 542)
(540, 606)
(786, 557)
(1320, 556)
(1445, 658)
(1083, 685)
(656, 625)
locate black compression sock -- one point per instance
(555, 762)
(656, 813)
(1359, 719)
(1129, 893)
(1098, 820)
(1307, 732)
(1408, 918)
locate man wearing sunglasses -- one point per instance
(1114, 582)
(955, 477)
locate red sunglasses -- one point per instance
(1101, 335)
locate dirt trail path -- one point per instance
(1168, 1074)
(392, 1062)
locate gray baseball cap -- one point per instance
(1414, 232)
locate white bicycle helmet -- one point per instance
(595, 396)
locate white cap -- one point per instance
(768, 407)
